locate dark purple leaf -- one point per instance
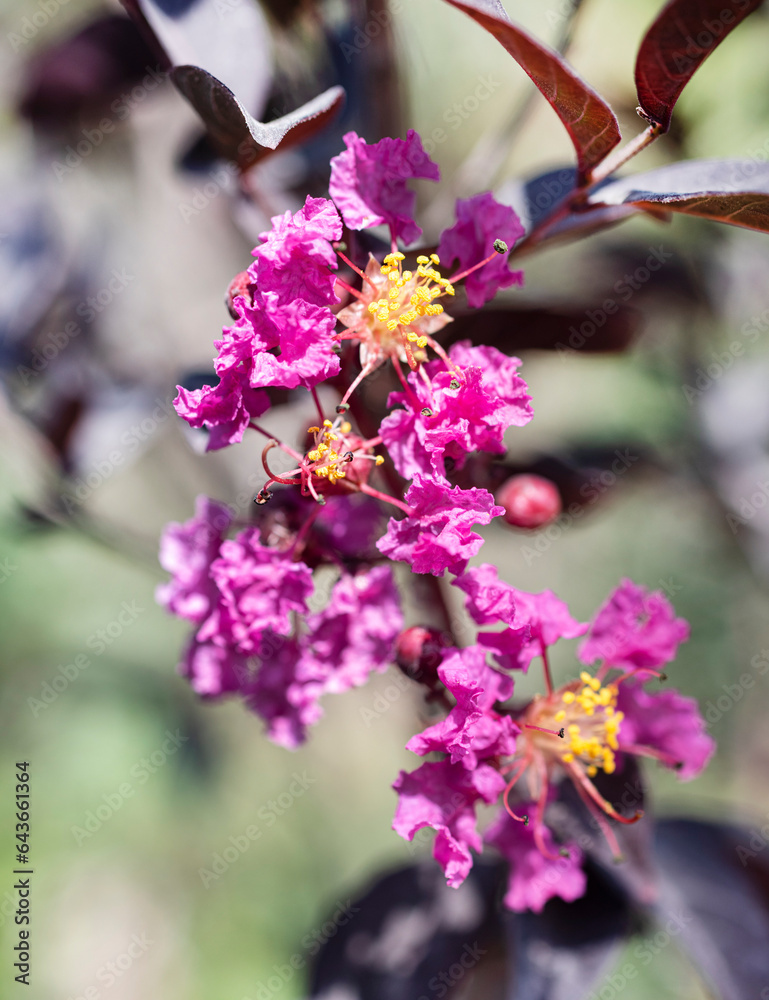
(590, 122)
(236, 133)
(678, 42)
(733, 191)
(410, 930)
(578, 328)
(714, 901)
(562, 952)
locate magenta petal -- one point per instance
(635, 628)
(443, 795)
(438, 535)
(259, 588)
(665, 721)
(472, 731)
(480, 221)
(355, 633)
(534, 878)
(187, 551)
(368, 183)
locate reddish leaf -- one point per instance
(590, 122)
(733, 191)
(678, 42)
(238, 135)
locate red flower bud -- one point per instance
(529, 501)
(419, 653)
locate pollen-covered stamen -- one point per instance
(592, 723)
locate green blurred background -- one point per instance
(138, 874)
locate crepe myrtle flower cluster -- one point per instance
(494, 752)
(268, 628)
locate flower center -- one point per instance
(586, 713)
(410, 296)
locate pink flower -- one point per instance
(297, 261)
(349, 525)
(213, 670)
(472, 731)
(355, 633)
(665, 722)
(480, 221)
(259, 589)
(225, 409)
(548, 620)
(534, 877)
(459, 412)
(443, 795)
(489, 599)
(187, 551)
(635, 629)
(437, 536)
(300, 334)
(275, 693)
(368, 183)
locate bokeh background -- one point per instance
(100, 408)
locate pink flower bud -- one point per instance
(240, 285)
(529, 501)
(419, 653)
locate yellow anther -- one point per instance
(560, 716)
(397, 255)
(393, 276)
(568, 758)
(379, 460)
(407, 276)
(421, 259)
(313, 456)
(411, 336)
(435, 258)
(573, 729)
(393, 293)
(346, 427)
(327, 423)
(592, 770)
(382, 315)
(392, 324)
(322, 448)
(568, 697)
(422, 342)
(313, 430)
(585, 677)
